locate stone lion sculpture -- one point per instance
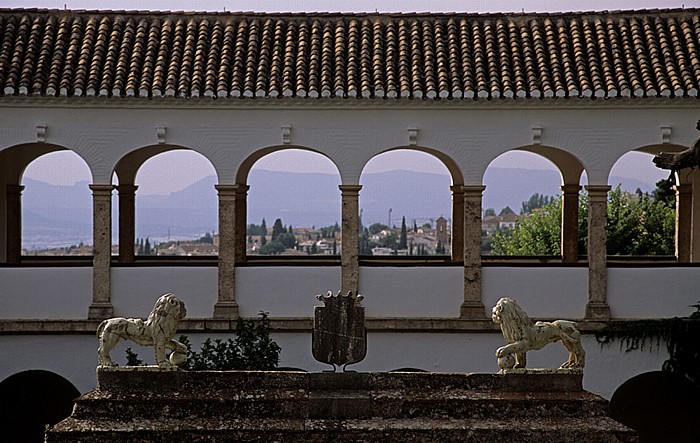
(522, 336)
(157, 331)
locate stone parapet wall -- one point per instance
(150, 405)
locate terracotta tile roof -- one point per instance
(393, 56)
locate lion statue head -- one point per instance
(515, 324)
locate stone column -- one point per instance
(14, 223)
(101, 306)
(569, 223)
(684, 221)
(241, 223)
(457, 223)
(597, 307)
(472, 307)
(350, 246)
(127, 222)
(226, 305)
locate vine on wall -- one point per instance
(680, 334)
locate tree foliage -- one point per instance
(536, 201)
(403, 239)
(638, 224)
(252, 349)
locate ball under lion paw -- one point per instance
(178, 358)
(506, 362)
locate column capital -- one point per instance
(570, 189)
(473, 191)
(457, 189)
(126, 189)
(350, 189)
(102, 189)
(597, 190)
(236, 189)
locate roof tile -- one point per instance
(362, 56)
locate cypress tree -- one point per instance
(403, 242)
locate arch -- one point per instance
(316, 215)
(561, 240)
(129, 164)
(15, 159)
(570, 166)
(30, 400)
(57, 205)
(449, 163)
(437, 235)
(248, 163)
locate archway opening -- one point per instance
(30, 401)
(57, 206)
(176, 205)
(293, 205)
(405, 205)
(522, 206)
(641, 208)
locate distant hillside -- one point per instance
(61, 215)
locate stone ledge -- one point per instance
(298, 324)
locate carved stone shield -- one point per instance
(339, 335)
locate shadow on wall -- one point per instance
(661, 406)
(31, 400)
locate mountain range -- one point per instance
(56, 215)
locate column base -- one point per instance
(597, 311)
(226, 310)
(100, 311)
(472, 310)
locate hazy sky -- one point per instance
(52, 168)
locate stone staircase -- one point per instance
(151, 405)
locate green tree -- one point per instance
(536, 201)
(403, 239)
(263, 240)
(287, 239)
(638, 224)
(538, 234)
(147, 247)
(271, 248)
(490, 212)
(277, 229)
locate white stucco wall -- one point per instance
(544, 292)
(653, 292)
(135, 289)
(74, 357)
(289, 291)
(45, 293)
(412, 291)
(283, 291)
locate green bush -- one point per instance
(251, 349)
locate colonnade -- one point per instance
(466, 239)
(467, 200)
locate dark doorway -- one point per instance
(31, 400)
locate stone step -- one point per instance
(559, 430)
(152, 405)
(343, 404)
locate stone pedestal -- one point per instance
(212, 406)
